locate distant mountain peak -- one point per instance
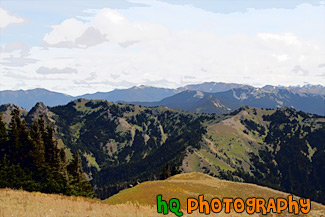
(146, 93)
(142, 87)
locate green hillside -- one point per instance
(121, 145)
(283, 149)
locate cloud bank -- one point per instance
(119, 48)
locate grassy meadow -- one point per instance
(139, 201)
(18, 203)
(187, 185)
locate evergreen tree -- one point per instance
(3, 138)
(166, 172)
(30, 159)
(175, 170)
(18, 137)
(79, 184)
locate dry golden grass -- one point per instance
(139, 201)
(18, 203)
(187, 185)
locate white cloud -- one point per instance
(6, 19)
(90, 37)
(16, 46)
(120, 30)
(287, 38)
(68, 31)
(46, 71)
(20, 46)
(17, 61)
(299, 70)
(73, 33)
(172, 61)
(106, 25)
(281, 58)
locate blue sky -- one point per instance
(80, 47)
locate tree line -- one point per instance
(31, 160)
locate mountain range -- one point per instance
(210, 97)
(123, 144)
(223, 102)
